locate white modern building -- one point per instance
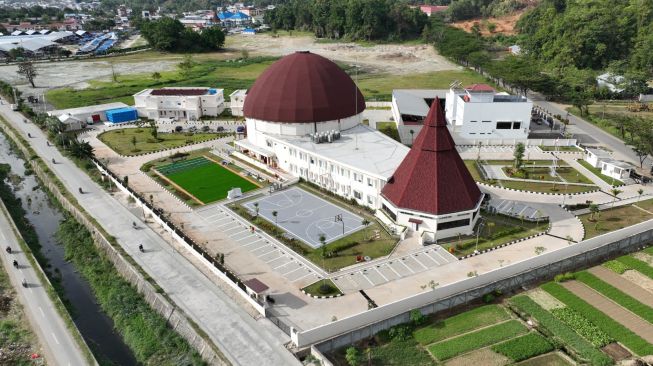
(478, 112)
(179, 103)
(474, 113)
(89, 114)
(302, 118)
(595, 156)
(616, 169)
(237, 102)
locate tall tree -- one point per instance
(27, 70)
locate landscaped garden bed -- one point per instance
(323, 288)
(132, 141)
(612, 219)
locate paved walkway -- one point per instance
(243, 340)
(624, 317)
(626, 286)
(58, 342)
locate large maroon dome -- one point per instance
(303, 87)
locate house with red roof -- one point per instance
(432, 9)
(432, 192)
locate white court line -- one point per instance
(404, 264)
(307, 274)
(381, 274)
(420, 263)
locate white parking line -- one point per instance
(254, 242)
(302, 277)
(365, 277)
(223, 225)
(289, 272)
(415, 257)
(441, 256)
(232, 228)
(404, 264)
(280, 255)
(381, 274)
(393, 270)
(267, 252)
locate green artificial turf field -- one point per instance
(204, 179)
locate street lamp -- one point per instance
(481, 224)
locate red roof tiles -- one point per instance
(480, 88)
(303, 88)
(433, 178)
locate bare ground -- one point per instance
(545, 300)
(504, 24)
(639, 279)
(483, 357)
(386, 58)
(616, 351)
(627, 287)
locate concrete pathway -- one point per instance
(58, 342)
(624, 317)
(243, 340)
(629, 288)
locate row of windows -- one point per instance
(331, 167)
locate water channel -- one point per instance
(95, 326)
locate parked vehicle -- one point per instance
(178, 128)
(219, 129)
(240, 129)
(14, 107)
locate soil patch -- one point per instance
(483, 357)
(504, 24)
(644, 257)
(545, 300)
(639, 279)
(616, 351)
(627, 287)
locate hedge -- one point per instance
(481, 338)
(616, 295)
(524, 347)
(616, 266)
(613, 328)
(461, 323)
(640, 266)
(582, 326)
(560, 331)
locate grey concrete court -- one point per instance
(306, 216)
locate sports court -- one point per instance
(305, 216)
(204, 179)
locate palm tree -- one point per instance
(81, 149)
(256, 208)
(640, 192)
(615, 192)
(322, 238)
(365, 222)
(594, 208)
(274, 214)
(412, 132)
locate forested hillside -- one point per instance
(353, 19)
(593, 34)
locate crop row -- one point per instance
(617, 331)
(616, 295)
(616, 266)
(582, 326)
(560, 331)
(636, 264)
(481, 338)
(524, 347)
(461, 323)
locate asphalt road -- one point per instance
(242, 339)
(586, 132)
(58, 342)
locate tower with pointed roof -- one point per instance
(431, 191)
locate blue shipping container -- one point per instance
(121, 115)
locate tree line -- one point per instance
(167, 34)
(390, 20)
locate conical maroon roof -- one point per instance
(303, 88)
(433, 178)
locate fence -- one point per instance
(529, 272)
(175, 317)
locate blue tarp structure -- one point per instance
(121, 115)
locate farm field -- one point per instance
(597, 316)
(204, 179)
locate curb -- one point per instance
(542, 193)
(322, 297)
(505, 244)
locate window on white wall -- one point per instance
(370, 182)
(358, 195)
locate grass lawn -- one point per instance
(646, 204)
(461, 323)
(389, 129)
(560, 148)
(315, 288)
(485, 337)
(498, 229)
(121, 140)
(207, 181)
(612, 219)
(380, 86)
(597, 172)
(552, 187)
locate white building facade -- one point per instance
(179, 103)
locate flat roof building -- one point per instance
(188, 103)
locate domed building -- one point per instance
(303, 117)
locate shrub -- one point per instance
(488, 298)
(481, 338)
(525, 305)
(582, 326)
(524, 347)
(616, 266)
(617, 331)
(416, 317)
(564, 277)
(400, 333)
